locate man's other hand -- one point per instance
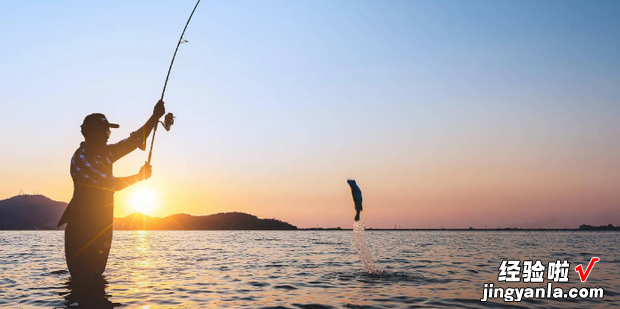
(145, 171)
(159, 109)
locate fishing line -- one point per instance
(169, 119)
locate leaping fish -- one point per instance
(357, 197)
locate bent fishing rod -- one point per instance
(169, 118)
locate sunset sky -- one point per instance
(447, 113)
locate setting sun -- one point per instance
(144, 200)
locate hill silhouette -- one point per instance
(38, 212)
(30, 212)
(221, 221)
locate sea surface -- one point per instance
(303, 269)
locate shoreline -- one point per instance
(368, 229)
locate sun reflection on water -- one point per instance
(142, 264)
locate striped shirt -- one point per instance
(94, 169)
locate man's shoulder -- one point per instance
(79, 150)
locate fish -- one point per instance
(357, 197)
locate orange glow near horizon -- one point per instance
(144, 200)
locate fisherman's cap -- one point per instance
(97, 121)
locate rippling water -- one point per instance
(302, 269)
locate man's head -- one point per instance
(96, 129)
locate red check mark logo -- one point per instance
(584, 275)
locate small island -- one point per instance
(609, 227)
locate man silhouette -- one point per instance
(89, 215)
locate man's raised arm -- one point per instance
(137, 139)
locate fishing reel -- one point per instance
(167, 124)
(168, 121)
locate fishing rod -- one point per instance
(169, 118)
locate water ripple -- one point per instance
(297, 269)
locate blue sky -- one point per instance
(431, 104)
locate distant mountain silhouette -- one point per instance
(221, 221)
(30, 212)
(34, 212)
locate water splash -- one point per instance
(360, 244)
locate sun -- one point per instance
(144, 200)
